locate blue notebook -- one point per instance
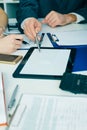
(80, 62)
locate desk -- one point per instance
(49, 87)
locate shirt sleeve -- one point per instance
(79, 18)
(22, 24)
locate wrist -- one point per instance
(70, 18)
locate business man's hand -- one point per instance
(31, 27)
(54, 19)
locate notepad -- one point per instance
(3, 116)
(41, 112)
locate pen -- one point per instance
(13, 98)
(11, 113)
(42, 36)
(37, 42)
(24, 42)
(41, 39)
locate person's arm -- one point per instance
(27, 15)
(54, 19)
(80, 12)
(79, 18)
(3, 20)
(27, 8)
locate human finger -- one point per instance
(28, 31)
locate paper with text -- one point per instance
(38, 112)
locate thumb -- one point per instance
(38, 28)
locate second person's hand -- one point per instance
(10, 43)
(54, 19)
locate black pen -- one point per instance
(24, 42)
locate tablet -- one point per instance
(49, 63)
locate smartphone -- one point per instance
(10, 59)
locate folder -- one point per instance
(80, 62)
(69, 39)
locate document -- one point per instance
(72, 38)
(42, 112)
(3, 116)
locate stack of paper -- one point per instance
(37, 112)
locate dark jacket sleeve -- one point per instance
(40, 8)
(83, 12)
(27, 8)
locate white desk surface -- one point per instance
(37, 86)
